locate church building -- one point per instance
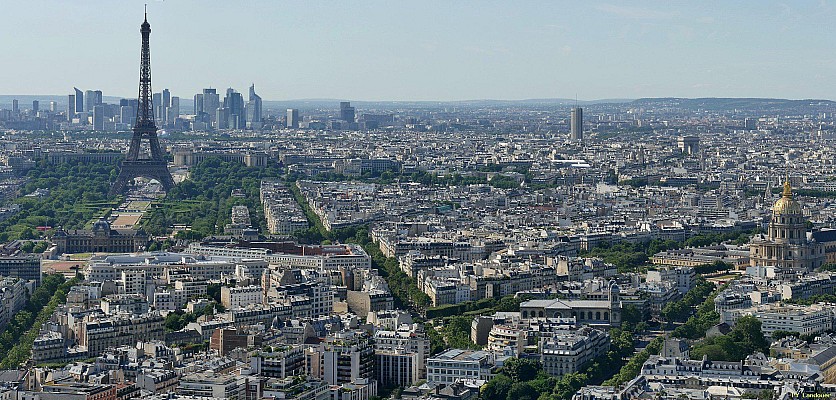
(786, 244)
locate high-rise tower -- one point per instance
(576, 127)
(253, 109)
(346, 112)
(145, 128)
(79, 101)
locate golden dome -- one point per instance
(786, 205)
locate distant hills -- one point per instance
(764, 105)
(735, 103)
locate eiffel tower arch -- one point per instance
(134, 165)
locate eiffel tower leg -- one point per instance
(119, 186)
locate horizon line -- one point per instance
(532, 99)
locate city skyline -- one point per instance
(432, 52)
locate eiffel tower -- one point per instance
(134, 165)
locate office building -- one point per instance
(79, 101)
(576, 124)
(456, 365)
(15, 107)
(346, 112)
(36, 106)
(211, 103)
(53, 106)
(198, 104)
(342, 358)
(27, 267)
(279, 362)
(292, 118)
(166, 98)
(210, 385)
(234, 104)
(157, 106)
(241, 296)
(127, 115)
(70, 107)
(98, 118)
(221, 118)
(401, 355)
(173, 111)
(254, 109)
(133, 103)
(93, 98)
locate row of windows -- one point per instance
(580, 315)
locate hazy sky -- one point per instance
(426, 50)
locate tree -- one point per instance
(214, 291)
(40, 247)
(631, 316)
(522, 391)
(745, 338)
(497, 388)
(27, 246)
(747, 331)
(521, 369)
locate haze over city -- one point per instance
(429, 50)
(368, 200)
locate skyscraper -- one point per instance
(79, 101)
(15, 107)
(93, 98)
(53, 106)
(292, 118)
(222, 118)
(98, 117)
(576, 124)
(173, 110)
(346, 112)
(164, 107)
(127, 115)
(198, 104)
(157, 104)
(254, 109)
(36, 106)
(71, 107)
(211, 102)
(166, 98)
(234, 103)
(89, 98)
(134, 103)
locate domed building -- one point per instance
(786, 244)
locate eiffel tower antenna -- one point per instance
(145, 128)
